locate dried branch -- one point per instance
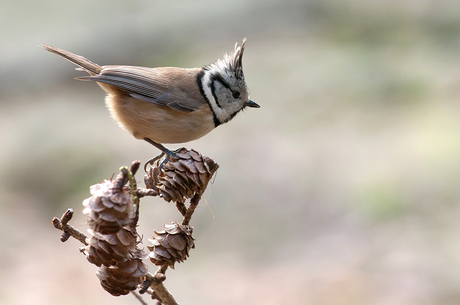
(113, 214)
(61, 224)
(146, 192)
(193, 204)
(133, 185)
(181, 207)
(156, 282)
(138, 297)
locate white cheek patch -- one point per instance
(206, 83)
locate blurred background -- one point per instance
(343, 188)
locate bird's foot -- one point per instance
(165, 151)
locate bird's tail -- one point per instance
(85, 64)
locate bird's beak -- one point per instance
(253, 104)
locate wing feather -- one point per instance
(150, 85)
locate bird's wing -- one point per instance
(152, 85)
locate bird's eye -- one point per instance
(235, 94)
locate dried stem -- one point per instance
(68, 229)
(139, 297)
(156, 282)
(146, 192)
(181, 207)
(193, 204)
(136, 200)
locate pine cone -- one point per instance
(110, 249)
(110, 208)
(183, 176)
(151, 178)
(123, 278)
(171, 245)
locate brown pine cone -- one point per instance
(171, 245)
(182, 177)
(122, 278)
(110, 249)
(110, 208)
(151, 178)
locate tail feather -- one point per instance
(85, 64)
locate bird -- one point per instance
(167, 105)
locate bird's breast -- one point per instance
(159, 123)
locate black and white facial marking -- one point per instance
(223, 86)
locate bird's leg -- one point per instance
(164, 151)
(161, 147)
